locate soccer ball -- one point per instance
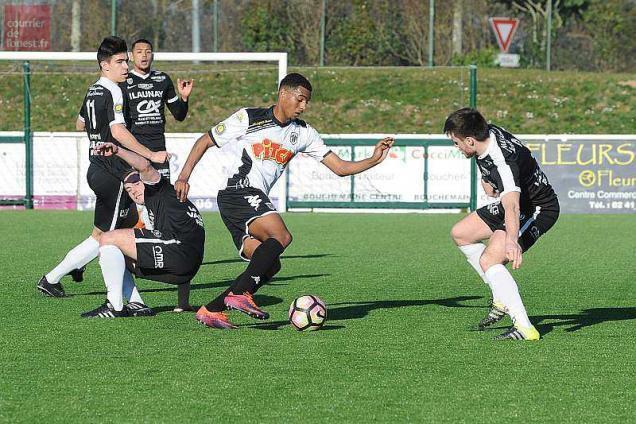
(307, 313)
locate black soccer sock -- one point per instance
(269, 275)
(263, 259)
(217, 305)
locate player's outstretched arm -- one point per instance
(146, 171)
(182, 186)
(343, 168)
(510, 202)
(129, 141)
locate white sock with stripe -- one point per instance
(473, 252)
(504, 288)
(113, 266)
(130, 289)
(76, 258)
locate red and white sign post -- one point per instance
(27, 27)
(505, 29)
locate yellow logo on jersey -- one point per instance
(119, 108)
(220, 129)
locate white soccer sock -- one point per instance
(504, 288)
(473, 253)
(113, 266)
(79, 256)
(130, 289)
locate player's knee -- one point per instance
(457, 235)
(284, 238)
(106, 238)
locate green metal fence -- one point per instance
(27, 140)
(353, 204)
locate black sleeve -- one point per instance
(156, 188)
(177, 107)
(82, 111)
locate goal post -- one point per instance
(26, 57)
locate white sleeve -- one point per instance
(117, 114)
(314, 145)
(508, 172)
(230, 129)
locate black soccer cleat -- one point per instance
(496, 313)
(136, 309)
(48, 289)
(106, 311)
(77, 274)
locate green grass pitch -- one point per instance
(397, 346)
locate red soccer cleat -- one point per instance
(214, 319)
(244, 303)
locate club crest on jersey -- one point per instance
(293, 138)
(268, 150)
(129, 80)
(220, 129)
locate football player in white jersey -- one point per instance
(267, 139)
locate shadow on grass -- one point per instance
(586, 318)
(260, 299)
(355, 310)
(219, 284)
(239, 260)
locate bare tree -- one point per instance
(75, 26)
(305, 29)
(413, 32)
(458, 16)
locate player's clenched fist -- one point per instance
(160, 157)
(105, 149)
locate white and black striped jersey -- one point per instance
(147, 97)
(265, 145)
(103, 106)
(509, 166)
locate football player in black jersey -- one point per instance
(102, 117)
(149, 92)
(527, 207)
(267, 139)
(169, 249)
